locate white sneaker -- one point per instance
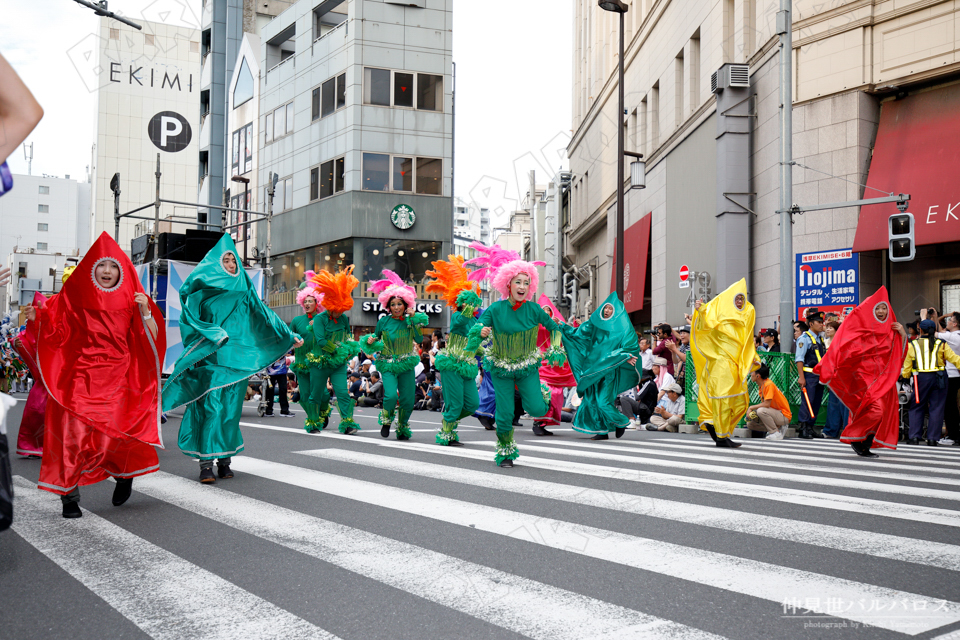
(635, 422)
(776, 435)
(256, 397)
(946, 441)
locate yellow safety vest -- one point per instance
(925, 355)
(816, 347)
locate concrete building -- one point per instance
(356, 110)
(35, 271)
(471, 224)
(147, 103)
(874, 103)
(43, 216)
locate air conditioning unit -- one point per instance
(730, 75)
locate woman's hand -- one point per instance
(370, 339)
(632, 361)
(899, 329)
(698, 303)
(485, 332)
(31, 313)
(298, 343)
(144, 302)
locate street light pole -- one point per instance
(785, 30)
(616, 6)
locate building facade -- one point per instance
(356, 114)
(42, 216)
(852, 63)
(147, 104)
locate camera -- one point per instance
(927, 313)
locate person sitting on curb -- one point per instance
(773, 414)
(669, 412)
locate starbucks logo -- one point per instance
(403, 216)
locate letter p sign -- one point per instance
(169, 131)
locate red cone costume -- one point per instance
(101, 368)
(861, 367)
(30, 436)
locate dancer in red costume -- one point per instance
(861, 367)
(98, 352)
(30, 436)
(554, 370)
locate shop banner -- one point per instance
(829, 281)
(177, 274)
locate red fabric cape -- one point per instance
(549, 374)
(95, 354)
(861, 367)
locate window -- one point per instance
(429, 176)
(400, 91)
(314, 183)
(376, 174)
(42, 226)
(290, 118)
(243, 90)
(678, 91)
(329, 97)
(429, 92)
(403, 89)
(114, 34)
(694, 72)
(148, 40)
(288, 193)
(279, 122)
(326, 179)
(341, 91)
(328, 16)
(403, 174)
(328, 100)
(241, 156)
(44, 190)
(376, 86)
(43, 208)
(268, 127)
(41, 246)
(385, 173)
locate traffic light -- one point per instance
(901, 244)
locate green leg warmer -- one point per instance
(447, 433)
(506, 447)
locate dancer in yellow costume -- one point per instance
(724, 355)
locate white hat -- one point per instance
(367, 362)
(660, 362)
(673, 386)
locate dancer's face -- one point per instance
(397, 307)
(107, 274)
(739, 301)
(230, 263)
(519, 287)
(309, 304)
(882, 312)
(607, 311)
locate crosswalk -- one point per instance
(791, 535)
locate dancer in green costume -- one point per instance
(333, 347)
(457, 363)
(228, 335)
(603, 355)
(514, 357)
(309, 299)
(395, 339)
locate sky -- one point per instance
(513, 88)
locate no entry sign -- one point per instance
(684, 273)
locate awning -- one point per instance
(917, 152)
(636, 243)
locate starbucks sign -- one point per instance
(403, 216)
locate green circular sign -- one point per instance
(403, 216)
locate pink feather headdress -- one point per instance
(308, 289)
(489, 261)
(393, 286)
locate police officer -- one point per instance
(926, 359)
(810, 350)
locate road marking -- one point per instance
(838, 502)
(739, 575)
(945, 556)
(163, 594)
(821, 447)
(527, 607)
(575, 449)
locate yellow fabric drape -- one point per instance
(724, 354)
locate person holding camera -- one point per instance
(665, 341)
(951, 336)
(372, 390)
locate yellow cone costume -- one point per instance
(724, 355)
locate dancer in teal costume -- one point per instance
(228, 335)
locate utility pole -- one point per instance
(155, 237)
(785, 30)
(271, 188)
(28, 156)
(534, 227)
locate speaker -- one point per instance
(199, 243)
(141, 250)
(172, 246)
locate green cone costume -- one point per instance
(228, 335)
(599, 351)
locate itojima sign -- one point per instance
(829, 281)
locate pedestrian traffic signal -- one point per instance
(902, 247)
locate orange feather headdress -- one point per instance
(337, 289)
(451, 280)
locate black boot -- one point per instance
(806, 432)
(540, 430)
(487, 422)
(72, 510)
(862, 449)
(620, 431)
(454, 443)
(121, 493)
(206, 475)
(223, 470)
(712, 432)
(507, 464)
(385, 430)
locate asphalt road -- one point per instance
(357, 537)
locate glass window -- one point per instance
(288, 193)
(290, 118)
(376, 172)
(248, 150)
(41, 246)
(326, 179)
(243, 91)
(42, 226)
(328, 101)
(341, 90)
(338, 175)
(315, 104)
(376, 86)
(235, 152)
(403, 174)
(43, 208)
(429, 92)
(268, 127)
(44, 191)
(430, 176)
(279, 122)
(403, 89)
(314, 183)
